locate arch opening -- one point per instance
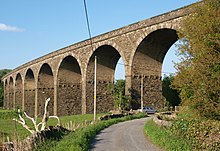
(69, 90)
(120, 70)
(29, 93)
(11, 93)
(45, 87)
(18, 91)
(6, 99)
(147, 67)
(107, 58)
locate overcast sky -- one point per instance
(32, 28)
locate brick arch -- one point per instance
(107, 43)
(18, 91)
(69, 91)
(29, 92)
(66, 55)
(147, 65)
(146, 32)
(107, 58)
(45, 88)
(11, 93)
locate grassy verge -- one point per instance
(165, 139)
(80, 140)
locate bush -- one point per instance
(8, 114)
(204, 134)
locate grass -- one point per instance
(13, 130)
(162, 137)
(80, 140)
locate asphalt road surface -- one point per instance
(125, 136)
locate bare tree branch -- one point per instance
(34, 121)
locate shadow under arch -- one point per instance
(18, 91)
(147, 67)
(107, 58)
(11, 93)
(45, 86)
(29, 92)
(69, 92)
(6, 99)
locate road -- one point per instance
(125, 136)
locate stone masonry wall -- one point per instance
(126, 42)
(69, 100)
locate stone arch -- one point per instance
(18, 91)
(11, 93)
(147, 65)
(45, 86)
(69, 91)
(29, 92)
(107, 58)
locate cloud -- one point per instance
(4, 27)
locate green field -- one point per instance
(14, 130)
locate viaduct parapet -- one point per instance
(66, 75)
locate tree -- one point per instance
(198, 78)
(171, 95)
(2, 73)
(121, 101)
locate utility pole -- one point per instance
(142, 92)
(95, 89)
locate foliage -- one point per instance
(165, 139)
(121, 101)
(171, 95)
(204, 134)
(2, 73)
(8, 114)
(198, 78)
(80, 140)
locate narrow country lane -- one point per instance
(125, 136)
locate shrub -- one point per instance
(8, 114)
(204, 134)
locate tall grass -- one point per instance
(162, 137)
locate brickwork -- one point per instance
(69, 100)
(66, 75)
(29, 103)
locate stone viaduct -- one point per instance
(66, 75)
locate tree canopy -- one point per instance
(2, 73)
(121, 101)
(171, 95)
(198, 78)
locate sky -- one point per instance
(32, 28)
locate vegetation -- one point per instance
(164, 138)
(121, 101)
(13, 130)
(198, 78)
(203, 134)
(171, 95)
(2, 73)
(198, 82)
(80, 140)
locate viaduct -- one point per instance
(66, 75)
